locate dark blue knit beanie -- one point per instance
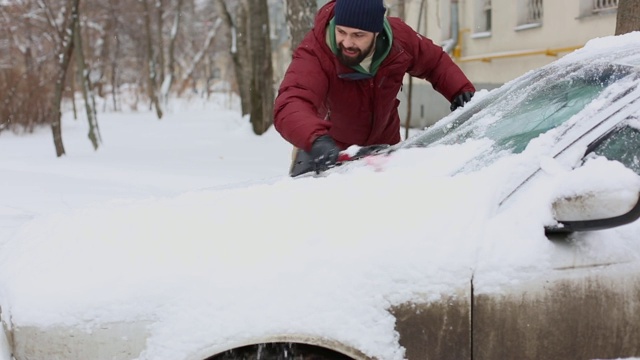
(367, 15)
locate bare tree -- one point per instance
(628, 18)
(114, 54)
(239, 49)
(101, 20)
(152, 84)
(160, 37)
(39, 41)
(262, 92)
(300, 16)
(47, 32)
(85, 84)
(66, 36)
(172, 48)
(188, 76)
(242, 56)
(25, 97)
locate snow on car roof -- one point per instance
(624, 49)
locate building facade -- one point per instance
(494, 41)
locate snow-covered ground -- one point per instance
(154, 226)
(199, 144)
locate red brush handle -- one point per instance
(343, 156)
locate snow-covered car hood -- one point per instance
(324, 257)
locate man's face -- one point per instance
(353, 44)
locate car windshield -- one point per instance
(522, 110)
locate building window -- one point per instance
(589, 8)
(534, 14)
(486, 14)
(483, 16)
(529, 14)
(604, 5)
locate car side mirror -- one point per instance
(597, 210)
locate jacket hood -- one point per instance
(324, 15)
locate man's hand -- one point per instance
(324, 153)
(461, 99)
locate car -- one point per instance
(577, 109)
(516, 235)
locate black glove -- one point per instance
(461, 99)
(324, 153)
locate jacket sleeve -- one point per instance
(297, 109)
(432, 63)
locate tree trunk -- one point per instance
(72, 85)
(161, 61)
(87, 94)
(239, 49)
(152, 87)
(113, 19)
(189, 74)
(243, 56)
(107, 36)
(300, 16)
(628, 18)
(262, 92)
(172, 48)
(63, 67)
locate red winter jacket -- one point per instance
(313, 100)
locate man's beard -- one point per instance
(353, 61)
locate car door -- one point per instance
(587, 306)
(437, 329)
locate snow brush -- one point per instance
(303, 162)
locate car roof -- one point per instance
(612, 50)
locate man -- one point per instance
(341, 86)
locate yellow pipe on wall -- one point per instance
(513, 54)
(457, 51)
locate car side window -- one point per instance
(622, 144)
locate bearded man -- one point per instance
(342, 84)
